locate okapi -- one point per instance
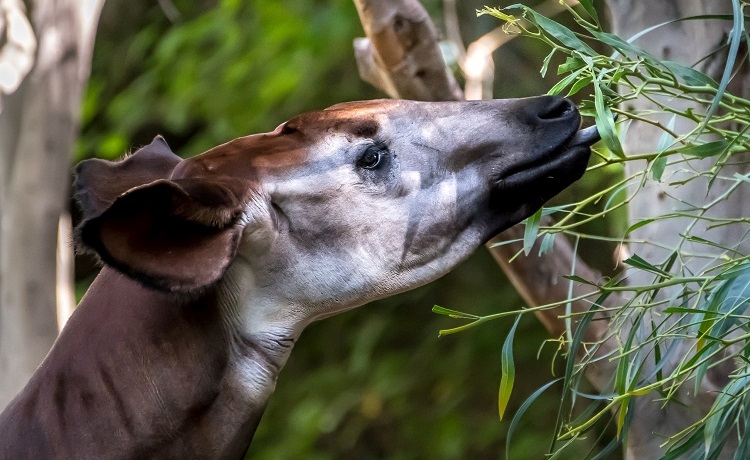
(215, 264)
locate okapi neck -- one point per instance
(138, 373)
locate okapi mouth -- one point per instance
(549, 174)
(520, 191)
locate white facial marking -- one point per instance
(448, 194)
(411, 179)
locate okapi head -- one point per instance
(334, 208)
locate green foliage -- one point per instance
(217, 73)
(704, 319)
(508, 376)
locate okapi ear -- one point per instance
(99, 182)
(173, 235)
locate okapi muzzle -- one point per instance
(215, 264)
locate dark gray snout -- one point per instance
(551, 121)
(552, 155)
(548, 109)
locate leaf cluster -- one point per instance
(673, 332)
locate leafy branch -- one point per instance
(672, 331)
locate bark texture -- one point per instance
(38, 124)
(686, 42)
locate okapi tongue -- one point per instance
(586, 136)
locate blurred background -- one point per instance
(376, 382)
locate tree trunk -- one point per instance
(39, 118)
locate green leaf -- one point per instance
(622, 413)
(508, 370)
(638, 225)
(605, 123)
(453, 313)
(570, 64)
(578, 279)
(667, 139)
(727, 300)
(588, 6)
(638, 262)
(580, 84)
(706, 150)
(624, 47)
(558, 31)
(548, 243)
(565, 82)
(723, 411)
(687, 310)
(735, 37)
(734, 272)
(678, 451)
(545, 63)
(522, 410)
(657, 168)
(624, 375)
(572, 359)
(688, 75)
(531, 231)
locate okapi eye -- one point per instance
(371, 158)
(286, 128)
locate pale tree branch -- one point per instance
(38, 127)
(401, 54)
(479, 67)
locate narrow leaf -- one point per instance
(578, 279)
(452, 313)
(734, 272)
(657, 168)
(531, 231)
(638, 262)
(558, 31)
(706, 150)
(521, 411)
(579, 85)
(548, 243)
(688, 75)
(638, 225)
(735, 36)
(623, 47)
(508, 370)
(666, 139)
(588, 6)
(605, 123)
(570, 64)
(622, 413)
(564, 83)
(545, 63)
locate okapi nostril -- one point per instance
(560, 108)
